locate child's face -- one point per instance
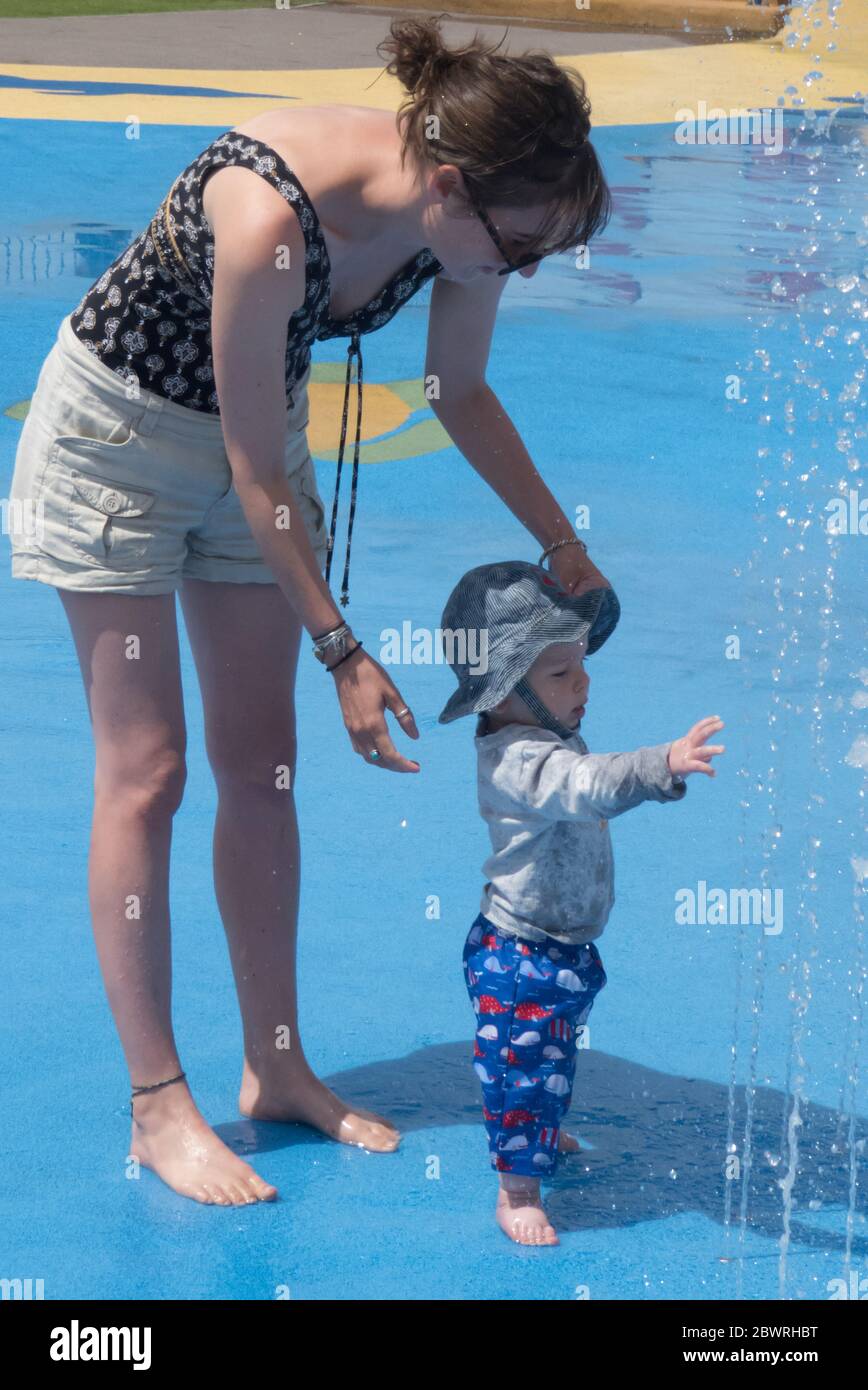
(559, 678)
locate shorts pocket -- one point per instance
(79, 412)
(105, 517)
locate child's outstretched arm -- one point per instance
(562, 785)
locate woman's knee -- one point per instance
(255, 760)
(150, 786)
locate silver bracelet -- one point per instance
(569, 540)
(332, 633)
(334, 643)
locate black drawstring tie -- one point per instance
(354, 347)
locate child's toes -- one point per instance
(237, 1194)
(262, 1191)
(216, 1195)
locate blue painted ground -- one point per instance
(616, 377)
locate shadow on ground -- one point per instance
(655, 1142)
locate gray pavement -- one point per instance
(307, 36)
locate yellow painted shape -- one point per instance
(626, 88)
(655, 85)
(382, 411)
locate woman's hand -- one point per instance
(575, 571)
(691, 753)
(365, 691)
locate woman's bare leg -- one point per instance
(128, 651)
(245, 640)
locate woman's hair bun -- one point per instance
(416, 51)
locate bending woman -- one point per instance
(165, 448)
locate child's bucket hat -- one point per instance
(499, 618)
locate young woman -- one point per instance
(165, 452)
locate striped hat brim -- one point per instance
(476, 694)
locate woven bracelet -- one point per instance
(344, 658)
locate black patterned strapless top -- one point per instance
(148, 316)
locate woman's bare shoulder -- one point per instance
(289, 131)
(324, 146)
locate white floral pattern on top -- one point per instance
(152, 325)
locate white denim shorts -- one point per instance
(119, 495)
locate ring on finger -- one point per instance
(374, 754)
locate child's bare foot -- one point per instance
(521, 1214)
(171, 1137)
(568, 1143)
(301, 1098)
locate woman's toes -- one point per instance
(384, 1138)
(379, 1121)
(373, 1126)
(368, 1135)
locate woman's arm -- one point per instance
(259, 282)
(461, 323)
(255, 294)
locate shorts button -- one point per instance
(112, 502)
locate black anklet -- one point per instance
(139, 1090)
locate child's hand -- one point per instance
(691, 753)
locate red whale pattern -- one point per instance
(534, 1011)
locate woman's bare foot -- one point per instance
(568, 1143)
(171, 1137)
(521, 1214)
(301, 1098)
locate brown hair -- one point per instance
(517, 128)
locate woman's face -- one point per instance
(459, 238)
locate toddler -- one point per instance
(531, 966)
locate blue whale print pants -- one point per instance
(530, 998)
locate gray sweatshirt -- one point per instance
(548, 803)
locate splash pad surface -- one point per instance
(695, 388)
